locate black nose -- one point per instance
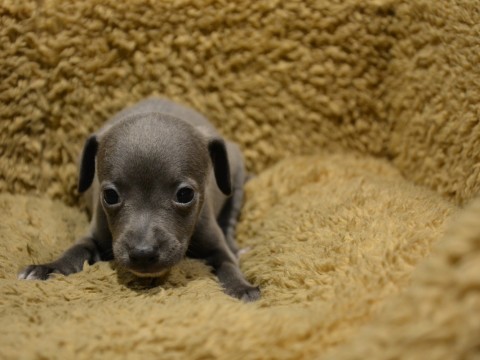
(143, 255)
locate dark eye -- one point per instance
(110, 196)
(185, 195)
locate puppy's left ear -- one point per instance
(221, 166)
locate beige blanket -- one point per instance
(361, 121)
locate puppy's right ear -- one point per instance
(87, 163)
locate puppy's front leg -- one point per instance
(232, 279)
(209, 243)
(72, 260)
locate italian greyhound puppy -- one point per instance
(161, 184)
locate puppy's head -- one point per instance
(153, 171)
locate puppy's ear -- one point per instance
(87, 163)
(221, 167)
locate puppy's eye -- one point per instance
(110, 196)
(185, 195)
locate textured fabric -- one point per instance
(361, 122)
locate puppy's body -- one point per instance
(160, 184)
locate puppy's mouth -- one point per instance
(160, 273)
(148, 270)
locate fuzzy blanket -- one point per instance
(361, 122)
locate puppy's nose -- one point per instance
(143, 255)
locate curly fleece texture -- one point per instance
(361, 122)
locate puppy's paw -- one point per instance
(38, 272)
(246, 293)
(251, 294)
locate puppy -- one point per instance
(161, 184)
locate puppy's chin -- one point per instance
(150, 275)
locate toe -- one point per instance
(251, 294)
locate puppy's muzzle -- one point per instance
(143, 258)
(143, 255)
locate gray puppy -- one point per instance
(161, 184)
